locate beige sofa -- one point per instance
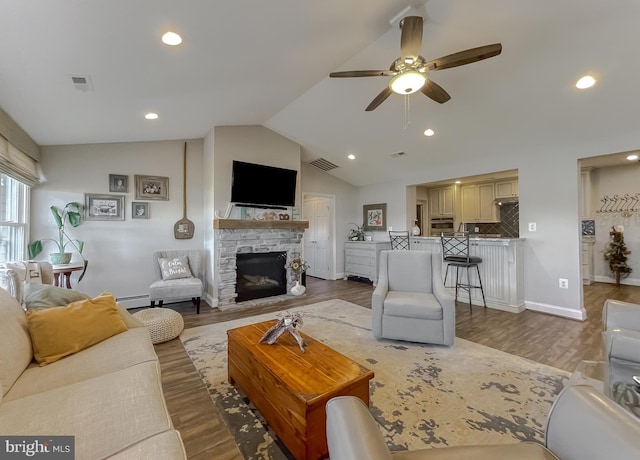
(108, 396)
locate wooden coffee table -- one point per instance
(291, 388)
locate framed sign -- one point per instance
(103, 207)
(374, 217)
(151, 187)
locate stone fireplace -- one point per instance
(254, 241)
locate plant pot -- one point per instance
(298, 289)
(58, 258)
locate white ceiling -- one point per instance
(267, 63)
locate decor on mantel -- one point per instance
(225, 214)
(374, 217)
(616, 254)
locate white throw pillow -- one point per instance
(176, 268)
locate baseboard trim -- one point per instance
(134, 301)
(608, 279)
(557, 310)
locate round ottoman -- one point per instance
(163, 323)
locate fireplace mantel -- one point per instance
(222, 224)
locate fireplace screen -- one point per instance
(260, 275)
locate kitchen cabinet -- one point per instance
(506, 188)
(587, 259)
(585, 194)
(441, 202)
(362, 258)
(478, 203)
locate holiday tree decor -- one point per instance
(616, 254)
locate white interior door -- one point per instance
(318, 238)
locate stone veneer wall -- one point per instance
(229, 242)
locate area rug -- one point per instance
(421, 395)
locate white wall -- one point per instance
(618, 180)
(119, 252)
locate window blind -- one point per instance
(17, 164)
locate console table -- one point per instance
(62, 274)
(361, 258)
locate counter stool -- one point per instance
(399, 239)
(455, 251)
(163, 323)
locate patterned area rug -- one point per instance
(421, 395)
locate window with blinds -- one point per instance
(14, 209)
(17, 164)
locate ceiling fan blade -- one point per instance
(411, 38)
(379, 99)
(465, 57)
(434, 91)
(362, 73)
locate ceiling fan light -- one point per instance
(408, 82)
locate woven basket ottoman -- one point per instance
(163, 323)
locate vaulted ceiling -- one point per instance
(256, 62)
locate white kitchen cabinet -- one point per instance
(361, 258)
(441, 202)
(506, 188)
(478, 203)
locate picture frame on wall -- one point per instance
(151, 187)
(374, 217)
(139, 210)
(118, 183)
(103, 207)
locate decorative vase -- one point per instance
(298, 289)
(58, 258)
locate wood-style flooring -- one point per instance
(546, 339)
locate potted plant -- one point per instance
(71, 214)
(357, 234)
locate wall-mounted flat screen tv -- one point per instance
(261, 185)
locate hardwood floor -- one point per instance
(547, 339)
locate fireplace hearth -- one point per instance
(260, 275)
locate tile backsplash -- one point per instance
(588, 227)
(509, 225)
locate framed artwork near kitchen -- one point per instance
(374, 217)
(139, 210)
(103, 207)
(151, 187)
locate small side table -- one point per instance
(62, 274)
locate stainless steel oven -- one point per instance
(441, 224)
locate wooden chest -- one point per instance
(291, 388)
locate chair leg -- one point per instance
(457, 281)
(469, 288)
(481, 289)
(153, 304)
(160, 303)
(198, 305)
(446, 273)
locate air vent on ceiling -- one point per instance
(82, 83)
(397, 154)
(323, 164)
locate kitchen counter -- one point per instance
(502, 270)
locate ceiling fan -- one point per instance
(410, 70)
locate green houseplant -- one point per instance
(71, 214)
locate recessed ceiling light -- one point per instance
(632, 157)
(585, 82)
(351, 156)
(458, 182)
(151, 116)
(171, 38)
(429, 132)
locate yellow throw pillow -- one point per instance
(61, 331)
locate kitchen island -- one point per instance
(502, 270)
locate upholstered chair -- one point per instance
(410, 301)
(181, 285)
(14, 274)
(621, 339)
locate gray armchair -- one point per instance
(174, 290)
(582, 425)
(621, 338)
(410, 301)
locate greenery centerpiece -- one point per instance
(71, 214)
(358, 233)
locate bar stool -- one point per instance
(455, 251)
(399, 239)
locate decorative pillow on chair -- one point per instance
(57, 332)
(176, 268)
(39, 296)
